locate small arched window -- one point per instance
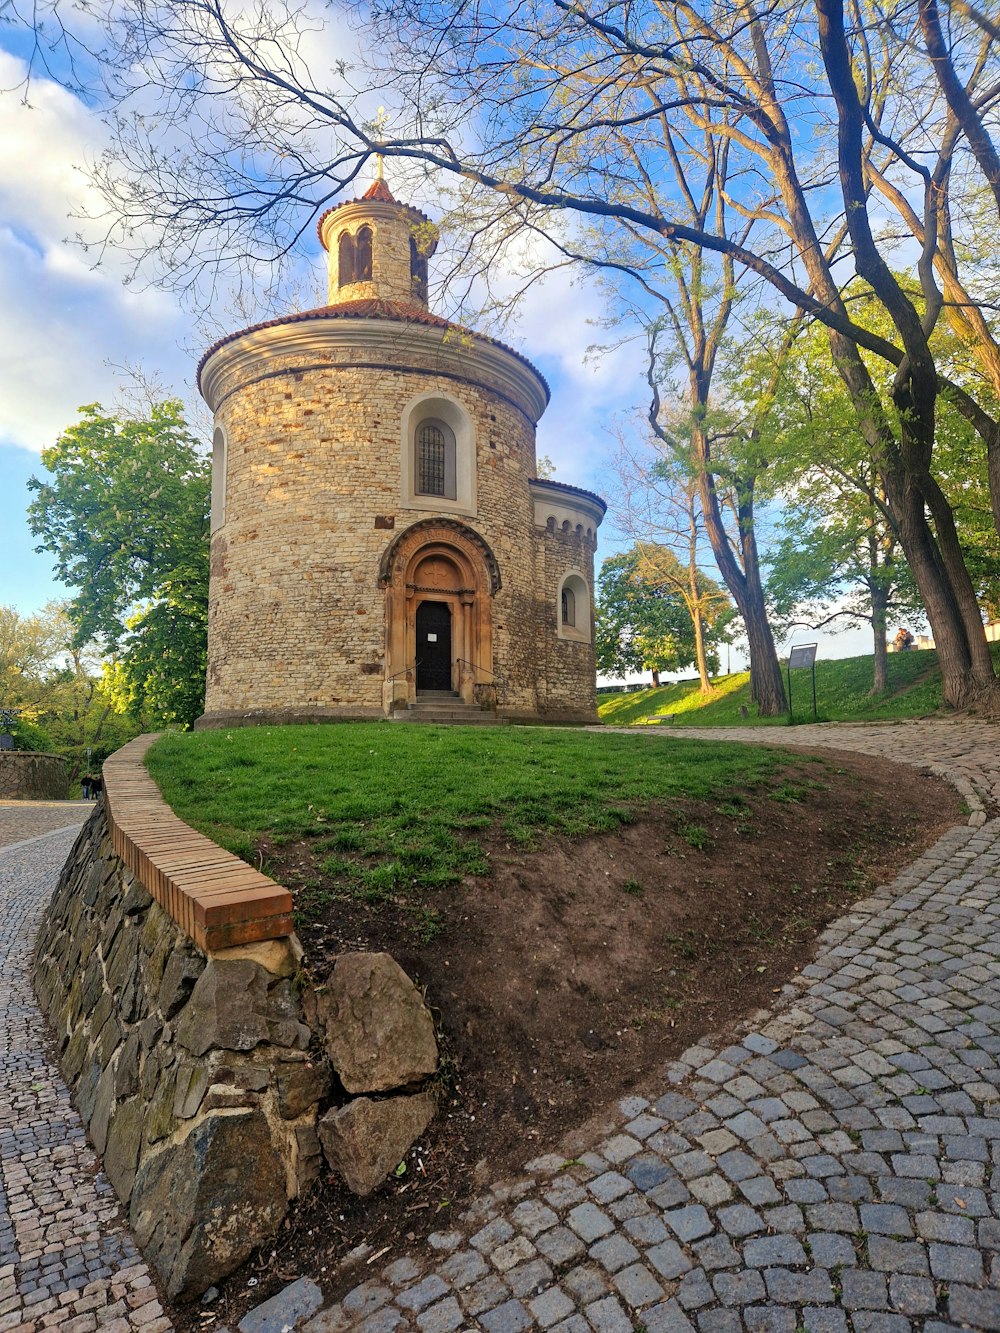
(363, 255)
(418, 272)
(354, 257)
(345, 259)
(218, 479)
(574, 609)
(435, 458)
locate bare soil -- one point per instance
(577, 969)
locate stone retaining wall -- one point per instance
(26, 775)
(214, 1081)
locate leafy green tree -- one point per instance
(126, 517)
(643, 620)
(55, 690)
(838, 554)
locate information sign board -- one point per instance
(802, 655)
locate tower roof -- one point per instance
(377, 193)
(373, 309)
(379, 190)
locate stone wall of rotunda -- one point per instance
(312, 500)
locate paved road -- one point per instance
(836, 1170)
(67, 1261)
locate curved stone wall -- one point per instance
(26, 775)
(213, 1081)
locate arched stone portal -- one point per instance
(446, 564)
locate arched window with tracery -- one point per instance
(345, 259)
(363, 255)
(435, 460)
(418, 272)
(568, 606)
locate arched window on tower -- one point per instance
(418, 272)
(354, 257)
(574, 609)
(435, 458)
(363, 255)
(218, 512)
(345, 259)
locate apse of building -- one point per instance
(379, 531)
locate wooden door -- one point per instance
(434, 646)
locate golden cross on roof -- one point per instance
(379, 123)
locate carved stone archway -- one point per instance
(438, 560)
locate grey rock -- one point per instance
(301, 1084)
(192, 1084)
(184, 967)
(198, 1209)
(121, 1156)
(227, 1008)
(285, 1311)
(379, 1034)
(365, 1139)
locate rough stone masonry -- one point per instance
(213, 1084)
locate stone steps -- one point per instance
(445, 709)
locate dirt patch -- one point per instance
(572, 972)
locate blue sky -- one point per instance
(70, 326)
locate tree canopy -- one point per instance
(125, 514)
(644, 621)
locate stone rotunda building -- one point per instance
(380, 537)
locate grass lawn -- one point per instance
(841, 696)
(400, 809)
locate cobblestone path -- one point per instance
(835, 1170)
(67, 1261)
(21, 820)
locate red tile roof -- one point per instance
(564, 486)
(369, 308)
(380, 191)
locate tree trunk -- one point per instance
(767, 688)
(699, 650)
(880, 667)
(656, 679)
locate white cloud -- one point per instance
(63, 318)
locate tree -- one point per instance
(126, 517)
(658, 508)
(557, 110)
(839, 547)
(55, 689)
(644, 614)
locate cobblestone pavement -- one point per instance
(835, 1170)
(20, 820)
(67, 1261)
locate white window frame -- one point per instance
(441, 407)
(575, 582)
(220, 459)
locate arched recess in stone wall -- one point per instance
(442, 561)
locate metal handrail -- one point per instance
(405, 671)
(501, 681)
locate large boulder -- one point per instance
(200, 1208)
(379, 1034)
(365, 1140)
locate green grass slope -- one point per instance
(396, 810)
(842, 695)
